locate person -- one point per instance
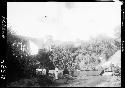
(47, 71)
(44, 71)
(102, 72)
(56, 72)
(66, 73)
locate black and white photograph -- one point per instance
(63, 44)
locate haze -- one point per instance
(82, 21)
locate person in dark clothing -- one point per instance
(47, 71)
(66, 73)
(102, 72)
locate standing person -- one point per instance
(47, 71)
(66, 73)
(44, 71)
(102, 72)
(56, 72)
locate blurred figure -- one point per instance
(47, 71)
(56, 72)
(44, 71)
(66, 73)
(102, 72)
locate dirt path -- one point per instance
(85, 81)
(88, 81)
(94, 81)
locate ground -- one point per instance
(89, 80)
(94, 81)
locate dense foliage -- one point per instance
(84, 56)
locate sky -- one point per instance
(82, 21)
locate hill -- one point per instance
(115, 59)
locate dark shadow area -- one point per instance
(14, 71)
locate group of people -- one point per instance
(65, 72)
(45, 71)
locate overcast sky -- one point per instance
(78, 21)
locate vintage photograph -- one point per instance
(63, 44)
